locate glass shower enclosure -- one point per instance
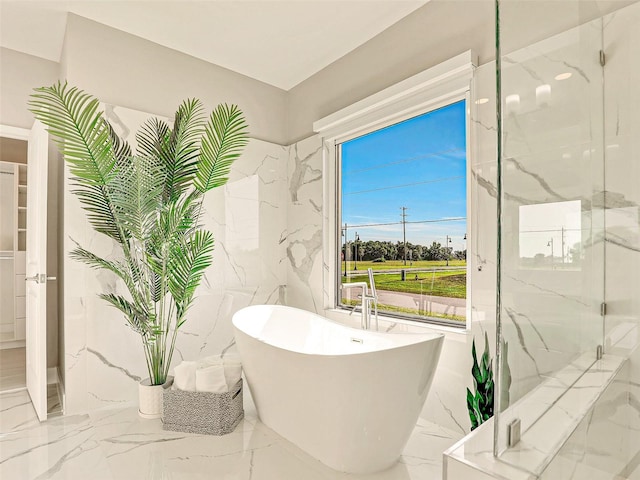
(569, 220)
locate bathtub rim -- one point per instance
(416, 338)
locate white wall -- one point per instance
(19, 74)
(415, 43)
(125, 70)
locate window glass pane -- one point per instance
(403, 214)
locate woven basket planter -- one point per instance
(203, 412)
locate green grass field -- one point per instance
(441, 284)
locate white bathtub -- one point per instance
(349, 398)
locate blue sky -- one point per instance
(424, 159)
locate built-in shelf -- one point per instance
(7, 336)
(13, 203)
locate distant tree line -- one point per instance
(374, 250)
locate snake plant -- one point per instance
(480, 403)
(149, 202)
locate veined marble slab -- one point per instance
(115, 443)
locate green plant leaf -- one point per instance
(137, 194)
(480, 403)
(471, 407)
(225, 137)
(187, 264)
(137, 319)
(85, 139)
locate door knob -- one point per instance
(39, 278)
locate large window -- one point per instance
(403, 213)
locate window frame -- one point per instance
(434, 88)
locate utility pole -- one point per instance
(355, 241)
(446, 248)
(346, 243)
(404, 232)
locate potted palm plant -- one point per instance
(149, 203)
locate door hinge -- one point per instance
(513, 432)
(603, 58)
(603, 309)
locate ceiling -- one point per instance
(278, 42)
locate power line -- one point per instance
(404, 232)
(446, 179)
(552, 230)
(453, 219)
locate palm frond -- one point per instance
(136, 194)
(129, 274)
(175, 224)
(137, 319)
(185, 145)
(121, 148)
(225, 136)
(187, 264)
(153, 140)
(84, 138)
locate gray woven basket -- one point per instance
(202, 412)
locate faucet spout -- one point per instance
(368, 299)
(364, 319)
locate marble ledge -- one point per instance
(554, 409)
(542, 441)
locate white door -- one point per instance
(36, 282)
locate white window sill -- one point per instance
(353, 319)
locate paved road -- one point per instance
(429, 303)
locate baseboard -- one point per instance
(61, 389)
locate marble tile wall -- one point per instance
(304, 237)
(103, 357)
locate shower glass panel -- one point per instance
(551, 281)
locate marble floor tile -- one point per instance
(16, 411)
(13, 368)
(116, 444)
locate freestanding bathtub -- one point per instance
(349, 398)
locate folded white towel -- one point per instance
(232, 369)
(211, 379)
(184, 376)
(232, 374)
(209, 361)
(231, 359)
